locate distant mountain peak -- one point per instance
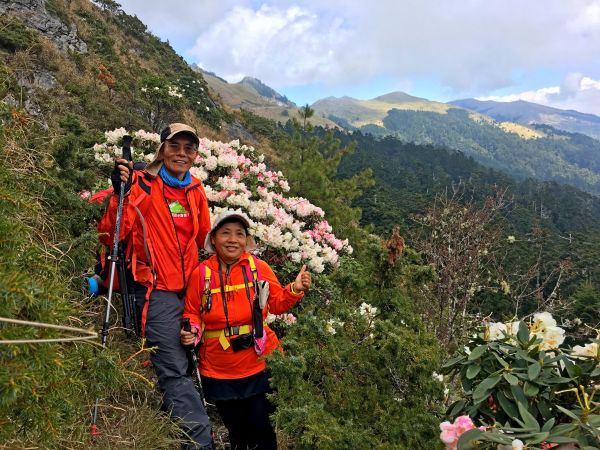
(254, 84)
(398, 97)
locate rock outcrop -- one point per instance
(34, 14)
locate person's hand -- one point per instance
(121, 174)
(188, 337)
(303, 280)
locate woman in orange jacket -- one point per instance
(232, 331)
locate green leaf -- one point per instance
(561, 439)
(558, 380)
(593, 420)
(498, 438)
(518, 395)
(455, 408)
(544, 409)
(502, 361)
(595, 372)
(522, 354)
(569, 413)
(477, 352)
(468, 439)
(509, 408)
(451, 362)
(564, 428)
(530, 389)
(482, 390)
(511, 379)
(523, 333)
(534, 370)
(473, 370)
(548, 425)
(528, 418)
(536, 438)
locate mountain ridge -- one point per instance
(529, 113)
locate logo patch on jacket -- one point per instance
(177, 209)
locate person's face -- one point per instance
(178, 155)
(229, 241)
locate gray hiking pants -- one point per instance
(180, 398)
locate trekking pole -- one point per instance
(190, 349)
(113, 264)
(130, 322)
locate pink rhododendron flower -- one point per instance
(451, 432)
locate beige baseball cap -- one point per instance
(169, 133)
(230, 215)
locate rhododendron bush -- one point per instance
(524, 385)
(236, 177)
(356, 370)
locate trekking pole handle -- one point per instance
(127, 147)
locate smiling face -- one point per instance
(229, 241)
(178, 154)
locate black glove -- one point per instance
(115, 177)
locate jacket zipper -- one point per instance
(176, 237)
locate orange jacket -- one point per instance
(216, 362)
(148, 229)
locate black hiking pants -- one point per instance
(248, 424)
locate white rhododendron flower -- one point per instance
(497, 331)
(235, 177)
(113, 137)
(367, 311)
(587, 351)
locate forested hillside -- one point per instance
(523, 151)
(531, 113)
(411, 246)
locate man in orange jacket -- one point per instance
(165, 220)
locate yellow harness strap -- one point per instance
(231, 331)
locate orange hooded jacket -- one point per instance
(216, 362)
(148, 229)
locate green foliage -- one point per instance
(56, 8)
(511, 384)
(14, 35)
(560, 156)
(586, 304)
(311, 166)
(351, 379)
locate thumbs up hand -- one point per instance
(303, 280)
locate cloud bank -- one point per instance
(469, 47)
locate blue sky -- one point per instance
(544, 51)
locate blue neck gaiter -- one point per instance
(170, 180)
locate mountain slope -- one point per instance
(523, 151)
(253, 95)
(531, 113)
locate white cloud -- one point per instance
(575, 92)
(468, 47)
(281, 46)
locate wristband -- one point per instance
(292, 290)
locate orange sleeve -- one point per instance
(203, 218)
(280, 298)
(191, 308)
(106, 225)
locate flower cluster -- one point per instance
(451, 432)
(543, 326)
(368, 311)
(236, 177)
(332, 324)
